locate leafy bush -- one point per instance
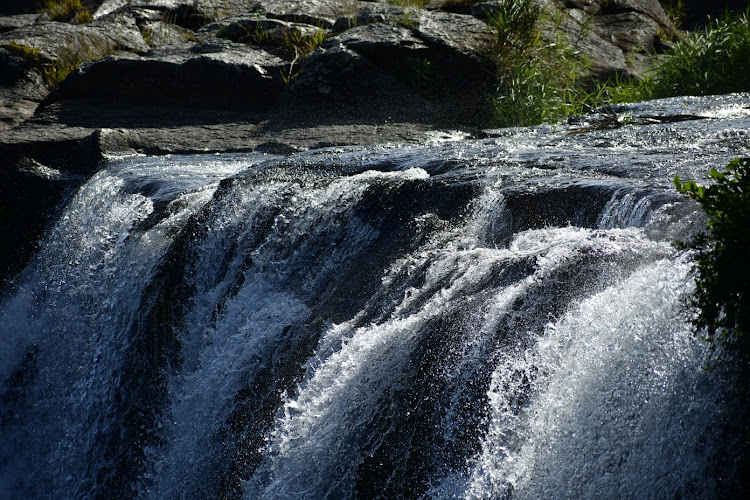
(721, 302)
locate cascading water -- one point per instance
(499, 318)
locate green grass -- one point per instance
(538, 79)
(31, 54)
(67, 10)
(541, 81)
(67, 60)
(410, 3)
(290, 42)
(715, 60)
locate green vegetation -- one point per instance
(721, 302)
(538, 80)
(75, 53)
(31, 54)
(291, 42)
(542, 80)
(715, 60)
(410, 3)
(287, 42)
(67, 10)
(674, 10)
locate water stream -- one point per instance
(495, 318)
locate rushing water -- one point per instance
(496, 318)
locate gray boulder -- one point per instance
(215, 73)
(428, 70)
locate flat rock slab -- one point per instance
(10, 23)
(217, 73)
(91, 40)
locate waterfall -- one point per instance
(499, 318)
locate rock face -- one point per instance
(171, 76)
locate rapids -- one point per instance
(494, 318)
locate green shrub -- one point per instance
(721, 302)
(540, 80)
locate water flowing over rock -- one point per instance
(462, 318)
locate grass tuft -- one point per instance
(538, 79)
(31, 54)
(67, 11)
(420, 4)
(714, 60)
(541, 80)
(74, 54)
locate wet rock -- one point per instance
(37, 172)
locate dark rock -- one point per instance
(369, 15)
(13, 7)
(427, 73)
(650, 8)
(13, 22)
(698, 13)
(605, 59)
(21, 88)
(275, 33)
(88, 41)
(630, 31)
(217, 73)
(461, 35)
(37, 171)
